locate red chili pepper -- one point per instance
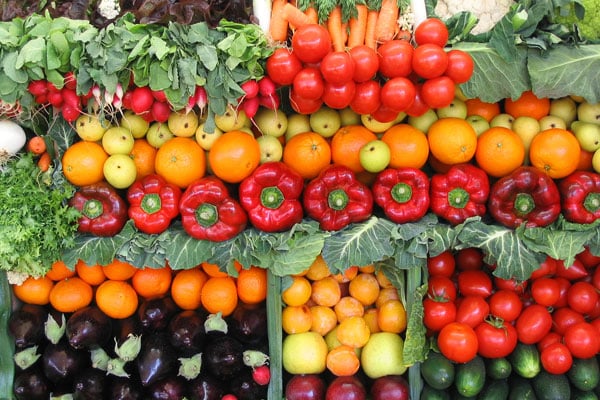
(402, 193)
(527, 196)
(153, 203)
(208, 212)
(460, 193)
(580, 197)
(103, 211)
(336, 198)
(271, 197)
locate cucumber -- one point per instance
(525, 360)
(437, 371)
(584, 374)
(496, 389)
(429, 393)
(549, 386)
(577, 394)
(521, 389)
(498, 368)
(470, 377)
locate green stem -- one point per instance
(458, 198)
(93, 208)
(337, 199)
(151, 203)
(207, 214)
(592, 202)
(271, 197)
(401, 192)
(524, 204)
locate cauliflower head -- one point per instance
(589, 25)
(488, 12)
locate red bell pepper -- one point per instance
(460, 193)
(208, 212)
(402, 193)
(527, 195)
(153, 203)
(103, 210)
(580, 197)
(336, 198)
(271, 197)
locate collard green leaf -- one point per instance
(6, 341)
(63, 134)
(184, 251)
(145, 250)
(561, 245)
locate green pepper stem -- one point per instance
(93, 208)
(401, 192)
(524, 204)
(271, 197)
(337, 199)
(592, 202)
(207, 214)
(458, 198)
(151, 203)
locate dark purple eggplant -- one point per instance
(245, 388)
(186, 332)
(31, 384)
(248, 323)
(122, 328)
(223, 357)
(205, 387)
(157, 358)
(169, 388)
(61, 362)
(89, 384)
(88, 328)
(26, 325)
(155, 314)
(124, 389)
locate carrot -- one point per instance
(370, 39)
(44, 161)
(36, 145)
(311, 13)
(387, 21)
(294, 16)
(278, 28)
(334, 26)
(358, 27)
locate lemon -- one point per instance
(304, 353)
(382, 355)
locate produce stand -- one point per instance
(175, 60)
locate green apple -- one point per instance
(375, 156)
(325, 121)
(136, 124)
(382, 355)
(400, 118)
(587, 134)
(271, 148)
(526, 128)
(423, 121)
(158, 134)
(207, 139)
(456, 109)
(183, 123)
(349, 117)
(478, 123)
(589, 112)
(271, 122)
(90, 128)
(231, 120)
(552, 121)
(502, 119)
(120, 171)
(373, 125)
(564, 108)
(297, 123)
(117, 140)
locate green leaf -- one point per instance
(184, 251)
(415, 343)
(561, 245)
(6, 341)
(62, 134)
(32, 52)
(9, 62)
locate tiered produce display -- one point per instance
(316, 200)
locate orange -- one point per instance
(215, 271)
(296, 319)
(371, 319)
(234, 156)
(323, 319)
(318, 269)
(307, 153)
(347, 275)
(143, 155)
(298, 292)
(252, 285)
(117, 299)
(555, 151)
(70, 295)
(326, 292)
(186, 287)
(385, 294)
(499, 151)
(452, 140)
(486, 110)
(528, 104)
(119, 270)
(353, 332)
(83, 163)
(383, 280)
(60, 271)
(346, 144)
(343, 361)
(348, 307)
(180, 161)
(364, 288)
(34, 290)
(219, 295)
(408, 146)
(92, 274)
(152, 282)
(391, 316)
(369, 269)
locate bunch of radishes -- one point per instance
(64, 99)
(262, 92)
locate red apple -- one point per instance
(346, 388)
(390, 387)
(305, 387)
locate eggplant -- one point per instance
(122, 328)
(26, 325)
(31, 384)
(186, 332)
(155, 314)
(61, 362)
(223, 357)
(169, 388)
(124, 389)
(89, 384)
(243, 386)
(157, 359)
(205, 387)
(248, 323)
(88, 328)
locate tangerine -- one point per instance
(365, 288)
(343, 361)
(59, 271)
(391, 316)
(180, 161)
(92, 274)
(346, 144)
(528, 104)
(187, 286)
(119, 270)
(252, 285)
(298, 293)
(34, 290)
(152, 282)
(499, 151)
(408, 146)
(83, 163)
(555, 151)
(476, 106)
(353, 331)
(117, 299)
(234, 156)
(219, 295)
(144, 156)
(452, 140)
(296, 319)
(308, 153)
(70, 295)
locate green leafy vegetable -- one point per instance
(7, 367)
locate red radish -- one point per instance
(70, 80)
(159, 95)
(56, 99)
(70, 97)
(271, 101)
(38, 87)
(41, 99)
(141, 100)
(51, 88)
(229, 397)
(70, 113)
(201, 97)
(126, 100)
(160, 111)
(262, 375)
(266, 86)
(251, 88)
(250, 106)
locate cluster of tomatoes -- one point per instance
(473, 312)
(396, 77)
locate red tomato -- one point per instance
(582, 340)
(431, 30)
(385, 114)
(308, 83)
(533, 324)
(367, 97)
(339, 96)
(472, 310)
(496, 339)
(441, 287)
(510, 284)
(588, 259)
(545, 291)
(437, 314)
(564, 285)
(282, 66)
(443, 264)
(460, 66)
(337, 67)
(429, 61)
(311, 43)
(596, 278)
(582, 297)
(563, 318)
(474, 282)
(551, 337)
(438, 92)
(505, 304)
(572, 272)
(458, 342)
(546, 268)
(596, 323)
(304, 106)
(398, 93)
(395, 58)
(556, 358)
(418, 107)
(366, 63)
(468, 259)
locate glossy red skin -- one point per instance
(366, 63)
(305, 387)
(583, 340)
(563, 318)
(564, 285)
(572, 272)
(398, 93)
(390, 387)
(418, 106)
(588, 259)
(556, 358)
(460, 66)
(458, 342)
(474, 282)
(282, 66)
(339, 96)
(438, 92)
(468, 259)
(443, 264)
(505, 304)
(367, 97)
(431, 30)
(441, 287)
(546, 268)
(311, 43)
(533, 324)
(510, 284)
(337, 67)
(304, 106)
(472, 310)
(496, 341)
(551, 337)
(395, 58)
(545, 291)
(346, 388)
(582, 297)
(437, 314)
(429, 61)
(308, 83)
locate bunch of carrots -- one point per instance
(371, 24)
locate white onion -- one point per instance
(12, 137)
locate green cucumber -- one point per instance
(525, 360)
(429, 393)
(521, 389)
(437, 371)
(584, 374)
(549, 386)
(470, 377)
(577, 394)
(496, 389)
(498, 368)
